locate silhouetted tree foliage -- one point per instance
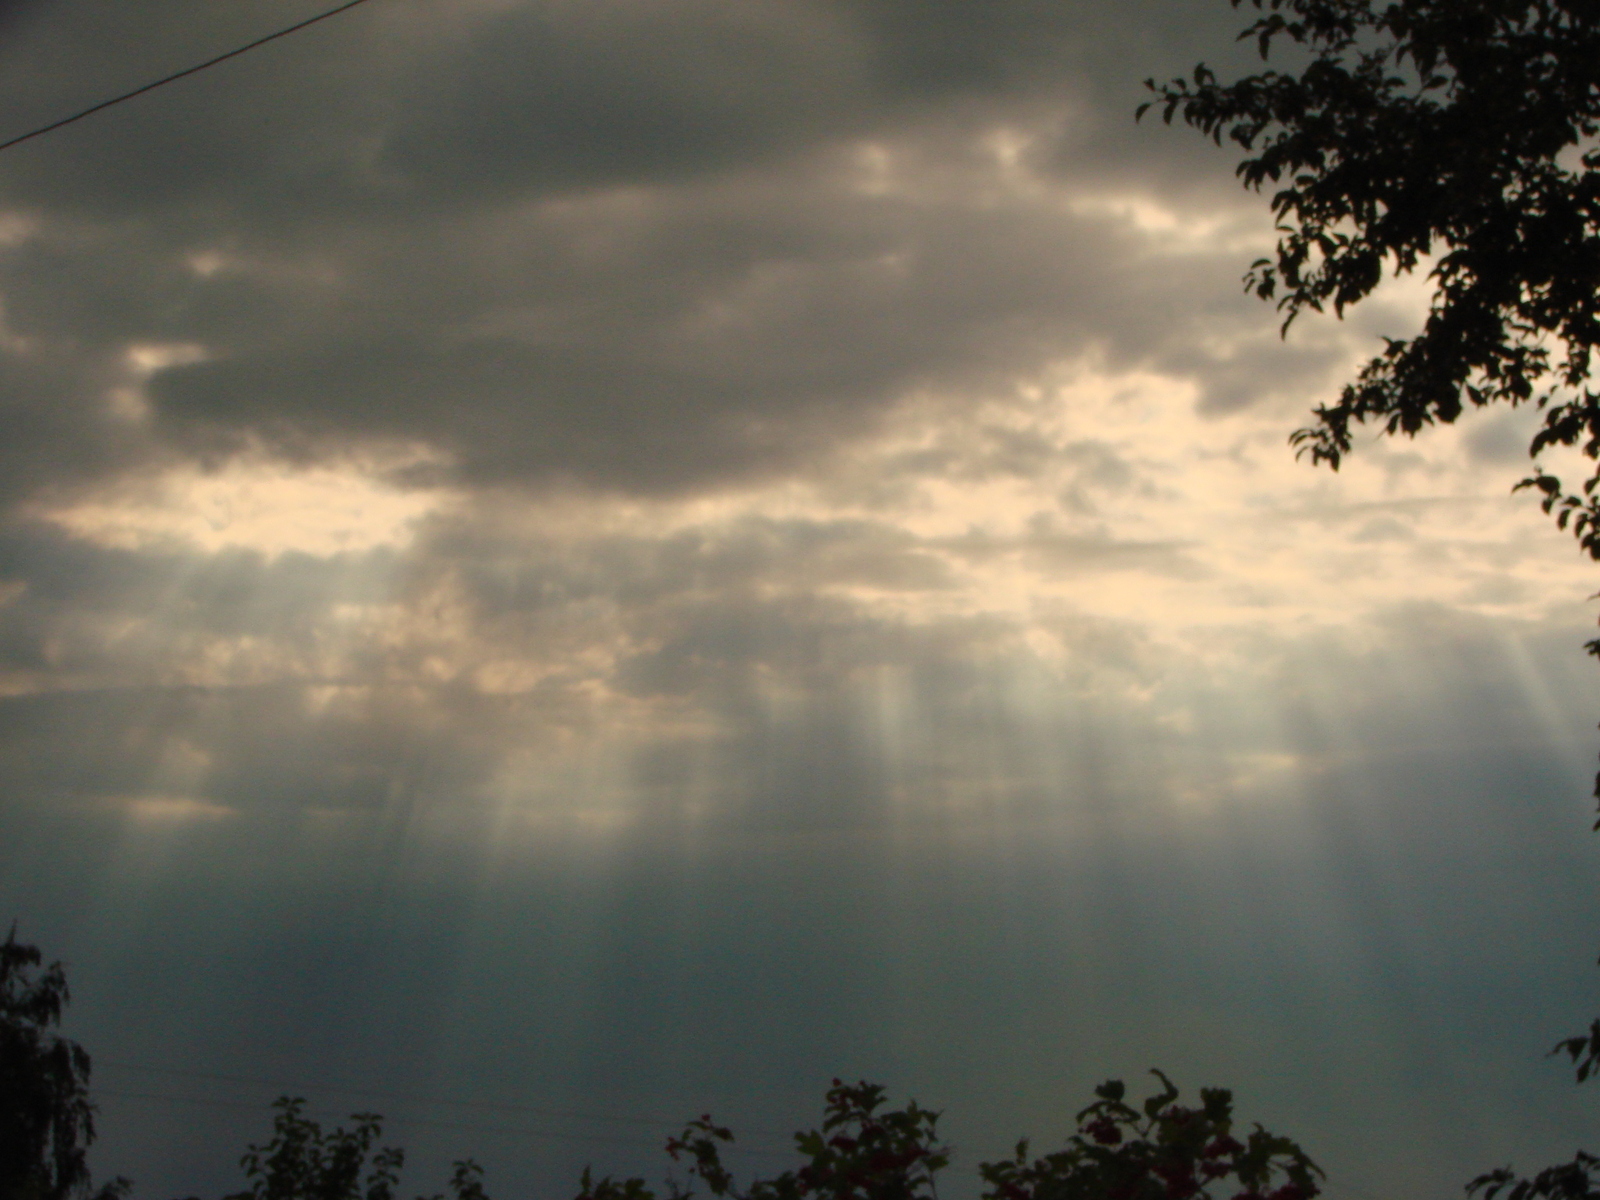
(1576, 1180)
(1161, 1151)
(861, 1151)
(305, 1162)
(1583, 1050)
(46, 1117)
(1462, 129)
(858, 1152)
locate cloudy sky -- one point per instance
(564, 563)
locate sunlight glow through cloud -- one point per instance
(265, 507)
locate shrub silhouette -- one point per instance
(1160, 1151)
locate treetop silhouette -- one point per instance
(46, 1117)
(1461, 131)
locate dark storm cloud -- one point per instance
(624, 244)
(415, 103)
(650, 343)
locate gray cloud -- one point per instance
(607, 243)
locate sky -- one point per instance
(566, 564)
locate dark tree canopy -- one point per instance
(1461, 131)
(305, 1162)
(1575, 1180)
(46, 1118)
(862, 1150)
(1161, 1150)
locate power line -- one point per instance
(210, 62)
(377, 1093)
(466, 1126)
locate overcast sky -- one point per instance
(623, 557)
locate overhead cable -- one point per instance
(550, 1135)
(150, 87)
(519, 1108)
